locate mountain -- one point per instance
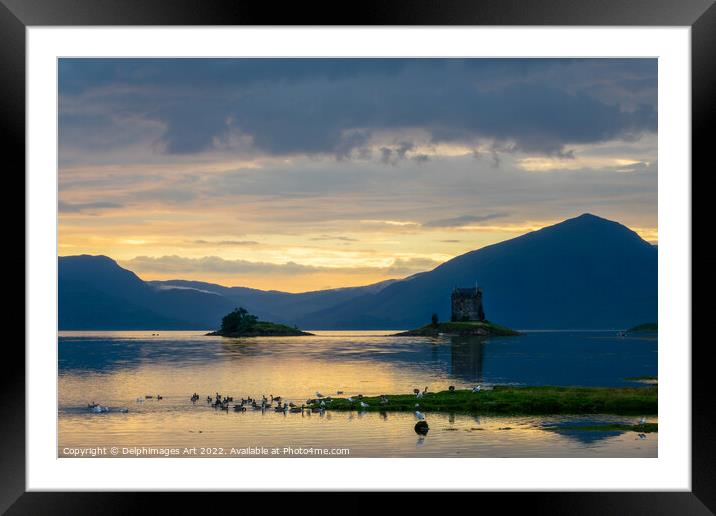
(583, 273)
(96, 293)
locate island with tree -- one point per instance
(240, 323)
(467, 319)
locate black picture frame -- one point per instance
(17, 15)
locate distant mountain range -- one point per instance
(583, 273)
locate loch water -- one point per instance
(119, 369)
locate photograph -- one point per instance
(345, 257)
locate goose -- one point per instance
(419, 415)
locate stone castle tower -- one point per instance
(467, 304)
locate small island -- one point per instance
(460, 329)
(467, 320)
(240, 323)
(644, 328)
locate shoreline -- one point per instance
(510, 400)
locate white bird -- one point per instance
(642, 421)
(364, 405)
(323, 404)
(419, 394)
(476, 389)
(419, 415)
(318, 395)
(350, 399)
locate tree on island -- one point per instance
(238, 321)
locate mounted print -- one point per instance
(357, 257)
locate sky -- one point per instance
(306, 174)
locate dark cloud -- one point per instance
(86, 207)
(463, 220)
(334, 106)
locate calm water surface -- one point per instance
(117, 368)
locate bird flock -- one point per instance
(276, 403)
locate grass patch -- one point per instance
(517, 401)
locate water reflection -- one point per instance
(558, 358)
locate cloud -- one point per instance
(337, 106)
(463, 220)
(339, 238)
(87, 207)
(229, 243)
(175, 264)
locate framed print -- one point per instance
(268, 251)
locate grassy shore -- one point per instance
(517, 401)
(466, 328)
